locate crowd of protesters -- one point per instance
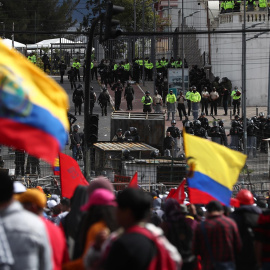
(131, 229)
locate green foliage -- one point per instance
(127, 17)
(37, 15)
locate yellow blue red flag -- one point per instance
(33, 107)
(214, 169)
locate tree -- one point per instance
(95, 7)
(37, 15)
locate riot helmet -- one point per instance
(261, 114)
(187, 124)
(221, 123)
(173, 122)
(91, 88)
(76, 127)
(215, 124)
(197, 123)
(147, 93)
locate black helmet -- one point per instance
(187, 124)
(236, 116)
(147, 92)
(268, 117)
(221, 123)
(119, 130)
(79, 86)
(76, 127)
(126, 152)
(215, 124)
(154, 153)
(173, 122)
(235, 123)
(127, 133)
(197, 123)
(133, 130)
(202, 114)
(261, 114)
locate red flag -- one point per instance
(179, 194)
(134, 181)
(171, 193)
(70, 175)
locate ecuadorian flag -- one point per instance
(33, 107)
(214, 169)
(56, 167)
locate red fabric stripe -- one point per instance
(34, 141)
(199, 197)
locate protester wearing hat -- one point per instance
(100, 217)
(217, 239)
(246, 217)
(19, 229)
(34, 201)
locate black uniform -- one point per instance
(118, 89)
(78, 98)
(236, 133)
(103, 101)
(215, 134)
(251, 138)
(72, 77)
(62, 68)
(129, 95)
(93, 98)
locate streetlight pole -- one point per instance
(183, 54)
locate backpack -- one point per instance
(165, 256)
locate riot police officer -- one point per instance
(251, 137)
(236, 132)
(224, 140)
(215, 133)
(118, 137)
(175, 133)
(104, 100)
(204, 121)
(93, 98)
(188, 127)
(261, 121)
(118, 89)
(199, 130)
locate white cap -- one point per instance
(51, 204)
(18, 187)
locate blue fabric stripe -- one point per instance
(206, 184)
(42, 119)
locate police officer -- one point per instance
(199, 130)
(236, 133)
(76, 142)
(147, 101)
(118, 89)
(104, 100)
(195, 99)
(213, 100)
(72, 77)
(129, 95)
(78, 98)
(204, 121)
(205, 100)
(168, 144)
(188, 93)
(266, 134)
(62, 68)
(93, 98)
(224, 140)
(261, 121)
(181, 105)
(135, 71)
(118, 137)
(175, 133)
(251, 137)
(171, 101)
(189, 127)
(236, 95)
(215, 133)
(77, 66)
(157, 102)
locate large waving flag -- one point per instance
(33, 107)
(214, 170)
